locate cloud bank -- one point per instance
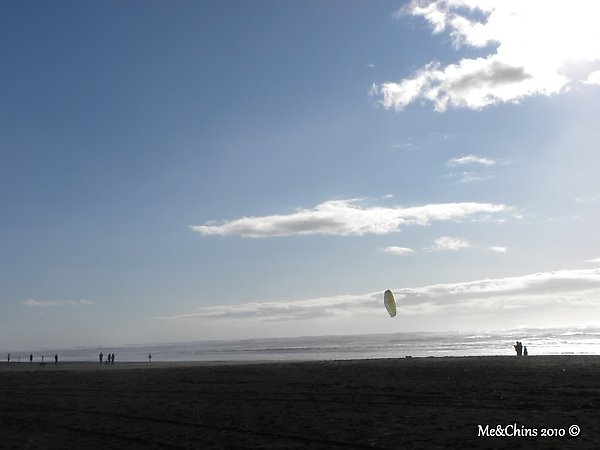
(568, 288)
(347, 218)
(531, 49)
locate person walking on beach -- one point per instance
(112, 358)
(8, 358)
(100, 356)
(30, 358)
(56, 359)
(149, 357)
(525, 351)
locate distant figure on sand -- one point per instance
(149, 357)
(100, 356)
(112, 358)
(30, 358)
(56, 358)
(8, 358)
(519, 348)
(525, 351)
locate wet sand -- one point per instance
(389, 403)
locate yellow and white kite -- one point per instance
(389, 302)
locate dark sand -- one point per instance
(391, 403)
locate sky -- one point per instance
(230, 169)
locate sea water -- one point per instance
(555, 341)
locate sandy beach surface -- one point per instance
(415, 403)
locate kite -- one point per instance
(389, 302)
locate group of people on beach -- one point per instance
(110, 358)
(520, 349)
(31, 359)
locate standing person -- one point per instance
(149, 357)
(100, 356)
(112, 358)
(518, 348)
(525, 351)
(8, 358)
(56, 358)
(30, 358)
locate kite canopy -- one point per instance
(389, 302)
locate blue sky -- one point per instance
(216, 170)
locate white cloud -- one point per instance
(470, 159)
(398, 250)
(470, 176)
(298, 309)
(447, 243)
(408, 145)
(593, 78)
(45, 303)
(497, 249)
(561, 288)
(534, 46)
(347, 217)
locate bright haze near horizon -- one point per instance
(230, 169)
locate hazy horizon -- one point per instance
(224, 170)
(551, 341)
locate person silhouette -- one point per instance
(8, 358)
(149, 357)
(518, 348)
(56, 358)
(100, 356)
(30, 358)
(525, 351)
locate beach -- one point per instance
(414, 403)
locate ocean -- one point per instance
(555, 341)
